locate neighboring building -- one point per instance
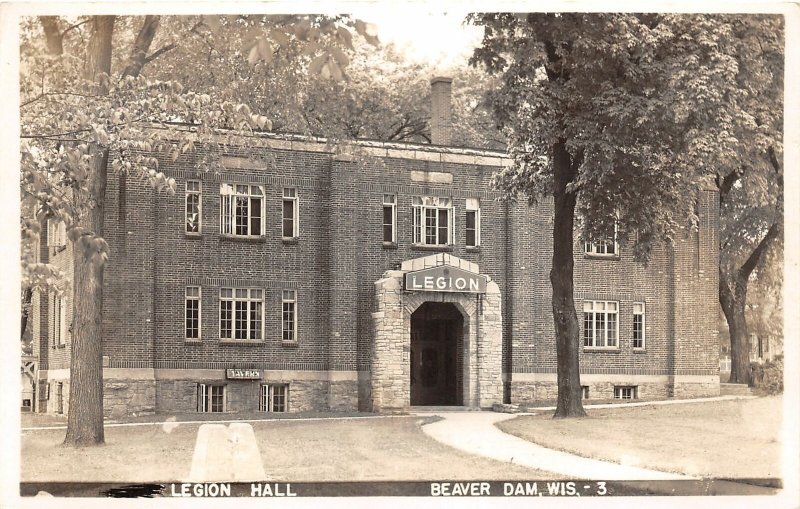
(303, 281)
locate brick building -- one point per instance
(301, 278)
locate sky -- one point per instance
(427, 35)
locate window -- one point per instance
(193, 199)
(584, 392)
(241, 210)
(291, 213)
(389, 218)
(638, 324)
(473, 222)
(59, 323)
(625, 392)
(274, 398)
(210, 398)
(56, 233)
(193, 312)
(289, 300)
(600, 325)
(240, 313)
(603, 247)
(433, 221)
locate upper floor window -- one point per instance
(433, 220)
(241, 209)
(59, 321)
(291, 213)
(389, 218)
(241, 313)
(473, 232)
(56, 233)
(605, 247)
(600, 324)
(638, 324)
(193, 197)
(192, 312)
(289, 319)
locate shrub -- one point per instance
(767, 378)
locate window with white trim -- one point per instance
(289, 318)
(600, 324)
(626, 392)
(210, 398)
(192, 312)
(193, 206)
(56, 233)
(604, 247)
(291, 213)
(241, 313)
(59, 322)
(389, 218)
(433, 220)
(638, 324)
(274, 398)
(473, 226)
(241, 210)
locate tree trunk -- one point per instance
(141, 46)
(733, 299)
(561, 278)
(85, 419)
(26, 310)
(53, 36)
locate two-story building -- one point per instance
(301, 278)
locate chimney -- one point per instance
(440, 110)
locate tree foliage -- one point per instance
(620, 115)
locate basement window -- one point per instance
(626, 392)
(274, 398)
(584, 392)
(210, 398)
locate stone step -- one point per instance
(735, 390)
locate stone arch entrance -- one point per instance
(447, 279)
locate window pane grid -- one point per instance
(600, 324)
(241, 209)
(289, 315)
(241, 313)
(192, 312)
(389, 215)
(432, 220)
(638, 325)
(289, 220)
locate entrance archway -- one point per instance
(437, 330)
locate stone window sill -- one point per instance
(473, 249)
(597, 349)
(426, 247)
(193, 235)
(193, 341)
(389, 245)
(244, 238)
(289, 344)
(639, 350)
(246, 342)
(290, 241)
(588, 256)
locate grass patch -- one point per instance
(393, 448)
(736, 438)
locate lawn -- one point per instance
(391, 448)
(723, 439)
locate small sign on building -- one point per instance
(243, 374)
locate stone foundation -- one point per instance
(648, 387)
(343, 396)
(128, 397)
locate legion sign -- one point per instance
(445, 278)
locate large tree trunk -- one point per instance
(732, 298)
(561, 274)
(85, 420)
(141, 46)
(26, 310)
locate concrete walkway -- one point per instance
(476, 433)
